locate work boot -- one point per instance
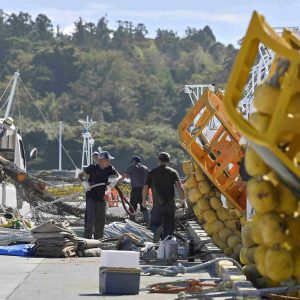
(132, 218)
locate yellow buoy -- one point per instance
(278, 264)
(259, 259)
(254, 165)
(262, 195)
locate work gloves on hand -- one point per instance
(183, 204)
(86, 186)
(114, 182)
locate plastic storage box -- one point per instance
(119, 281)
(120, 259)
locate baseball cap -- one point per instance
(136, 158)
(8, 123)
(105, 155)
(95, 153)
(164, 156)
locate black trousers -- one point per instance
(94, 218)
(136, 198)
(163, 215)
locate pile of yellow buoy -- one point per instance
(268, 244)
(221, 223)
(274, 230)
(272, 236)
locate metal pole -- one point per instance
(60, 143)
(11, 95)
(88, 142)
(83, 154)
(3, 193)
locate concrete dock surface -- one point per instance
(69, 278)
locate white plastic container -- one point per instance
(168, 248)
(119, 259)
(161, 250)
(171, 249)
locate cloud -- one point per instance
(68, 16)
(183, 15)
(69, 29)
(94, 11)
(88, 12)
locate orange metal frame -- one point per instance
(218, 156)
(111, 196)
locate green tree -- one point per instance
(54, 69)
(203, 37)
(102, 33)
(20, 25)
(44, 27)
(129, 83)
(140, 32)
(168, 42)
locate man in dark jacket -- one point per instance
(162, 180)
(137, 174)
(97, 173)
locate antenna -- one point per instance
(88, 142)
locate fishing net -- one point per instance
(53, 197)
(60, 198)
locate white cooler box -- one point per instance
(120, 259)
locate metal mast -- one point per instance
(11, 95)
(88, 142)
(195, 91)
(61, 126)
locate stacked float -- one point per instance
(273, 236)
(220, 222)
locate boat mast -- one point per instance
(61, 126)
(11, 95)
(88, 143)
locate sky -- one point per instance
(227, 18)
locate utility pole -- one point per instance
(61, 126)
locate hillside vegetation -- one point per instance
(131, 85)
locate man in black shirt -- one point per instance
(162, 181)
(99, 172)
(137, 174)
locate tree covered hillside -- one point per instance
(129, 83)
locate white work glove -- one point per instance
(86, 186)
(183, 204)
(114, 182)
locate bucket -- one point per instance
(183, 251)
(168, 248)
(171, 249)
